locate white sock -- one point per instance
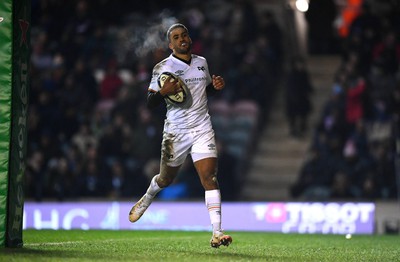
(153, 188)
(213, 203)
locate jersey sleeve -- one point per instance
(154, 80)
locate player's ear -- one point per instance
(170, 46)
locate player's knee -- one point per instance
(210, 182)
(214, 179)
(164, 182)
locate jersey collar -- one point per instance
(184, 61)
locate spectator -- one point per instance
(145, 139)
(111, 84)
(85, 81)
(356, 168)
(340, 189)
(34, 176)
(84, 138)
(298, 104)
(314, 179)
(354, 100)
(384, 168)
(62, 182)
(273, 33)
(386, 53)
(117, 182)
(92, 181)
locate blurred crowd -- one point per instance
(353, 149)
(90, 133)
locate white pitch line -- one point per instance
(97, 241)
(54, 243)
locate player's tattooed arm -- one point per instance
(210, 90)
(154, 99)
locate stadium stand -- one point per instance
(91, 136)
(348, 151)
(353, 144)
(90, 133)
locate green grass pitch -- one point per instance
(112, 246)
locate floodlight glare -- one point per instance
(302, 5)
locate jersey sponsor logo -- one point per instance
(211, 147)
(179, 72)
(201, 68)
(195, 79)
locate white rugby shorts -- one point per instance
(176, 146)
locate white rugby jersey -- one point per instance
(196, 76)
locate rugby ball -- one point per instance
(179, 97)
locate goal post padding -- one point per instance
(14, 64)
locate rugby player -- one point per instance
(187, 127)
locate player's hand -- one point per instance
(218, 82)
(171, 87)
